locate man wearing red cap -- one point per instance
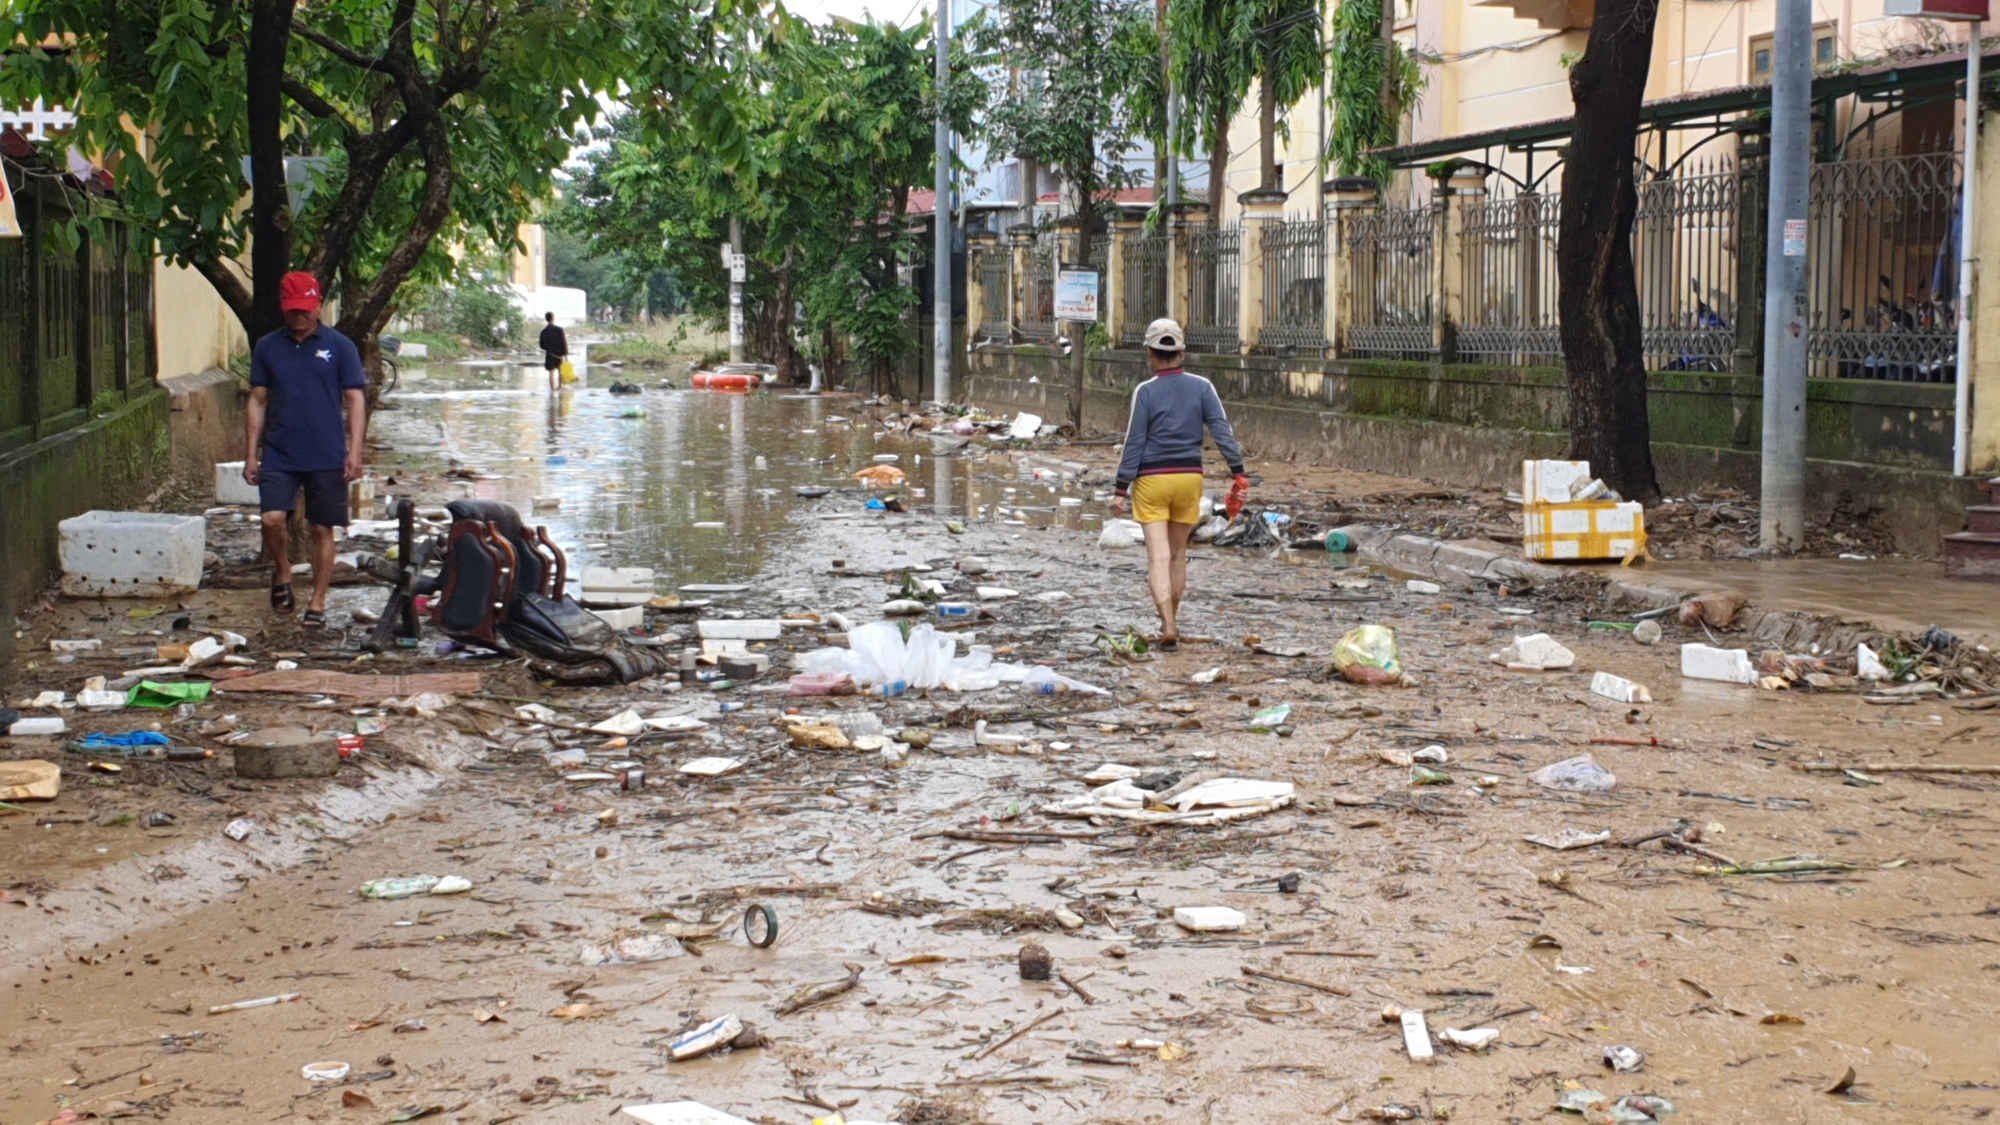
(300, 377)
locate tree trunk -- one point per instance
(1267, 120)
(1599, 296)
(1079, 331)
(1218, 166)
(270, 202)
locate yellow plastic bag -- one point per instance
(568, 372)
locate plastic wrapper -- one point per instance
(1368, 655)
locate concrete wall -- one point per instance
(205, 423)
(1879, 453)
(194, 328)
(112, 461)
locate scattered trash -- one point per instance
(1196, 800)
(711, 767)
(260, 1002)
(160, 697)
(715, 1033)
(1416, 1036)
(1419, 586)
(1619, 689)
(760, 925)
(325, 1071)
(1024, 426)
(1537, 652)
(1570, 838)
(1208, 919)
(1624, 1060)
(1716, 610)
(1647, 632)
(1580, 774)
(1121, 533)
(632, 949)
(239, 830)
(1211, 676)
(31, 779)
(414, 885)
(1270, 718)
(1867, 665)
(881, 476)
(1726, 665)
(1472, 1039)
(25, 728)
(682, 1113)
(1424, 775)
(1368, 655)
(1037, 963)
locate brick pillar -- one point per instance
(1347, 199)
(1123, 231)
(1985, 358)
(1260, 210)
(1021, 240)
(1464, 183)
(979, 249)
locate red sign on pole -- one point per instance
(1937, 9)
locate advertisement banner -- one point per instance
(1076, 294)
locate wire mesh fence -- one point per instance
(1294, 286)
(1215, 279)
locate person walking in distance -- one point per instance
(300, 378)
(555, 349)
(1161, 468)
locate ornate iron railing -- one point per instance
(1393, 280)
(1038, 310)
(1215, 279)
(1508, 259)
(994, 266)
(1883, 258)
(1294, 286)
(1684, 248)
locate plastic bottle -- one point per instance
(954, 609)
(399, 888)
(889, 690)
(1043, 681)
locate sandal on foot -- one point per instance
(282, 599)
(1170, 644)
(314, 619)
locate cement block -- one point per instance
(131, 554)
(230, 487)
(282, 752)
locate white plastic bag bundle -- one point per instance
(1121, 533)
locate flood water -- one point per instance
(695, 484)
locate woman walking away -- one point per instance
(1162, 467)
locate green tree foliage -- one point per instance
(424, 121)
(840, 131)
(1074, 112)
(1219, 49)
(1375, 82)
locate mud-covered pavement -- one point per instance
(1750, 996)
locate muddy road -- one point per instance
(1749, 995)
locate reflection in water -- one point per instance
(631, 490)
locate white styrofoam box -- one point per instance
(410, 349)
(631, 617)
(747, 630)
(717, 649)
(1619, 688)
(1551, 482)
(230, 487)
(617, 585)
(1729, 665)
(131, 554)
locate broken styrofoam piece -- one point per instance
(1536, 652)
(625, 723)
(614, 587)
(1867, 665)
(1471, 1039)
(91, 644)
(682, 1113)
(629, 617)
(100, 700)
(1619, 688)
(1195, 800)
(719, 1032)
(1727, 665)
(980, 737)
(131, 554)
(231, 488)
(1111, 771)
(711, 767)
(904, 607)
(758, 629)
(1025, 425)
(675, 723)
(996, 593)
(1209, 919)
(1553, 482)
(1420, 586)
(1416, 1035)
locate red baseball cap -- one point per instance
(299, 291)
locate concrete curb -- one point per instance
(1623, 588)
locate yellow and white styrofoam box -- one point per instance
(1583, 529)
(1552, 482)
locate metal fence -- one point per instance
(1883, 255)
(1684, 248)
(1038, 307)
(74, 324)
(1215, 279)
(1294, 285)
(1391, 260)
(1509, 273)
(994, 266)
(1142, 286)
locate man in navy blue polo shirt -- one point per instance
(300, 377)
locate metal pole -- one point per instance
(1968, 225)
(737, 268)
(941, 252)
(1786, 301)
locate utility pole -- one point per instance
(1787, 315)
(737, 269)
(1968, 228)
(941, 252)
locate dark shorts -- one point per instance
(551, 362)
(326, 494)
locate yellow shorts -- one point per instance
(1174, 497)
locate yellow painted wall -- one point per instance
(531, 262)
(195, 330)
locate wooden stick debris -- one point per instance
(1281, 978)
(990, 836)
(1018, 1032)
(1076, 986)
(1895, 767)
(820, 993)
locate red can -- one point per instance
(350, 745)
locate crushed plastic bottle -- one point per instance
(409, 887)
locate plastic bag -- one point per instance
(1367, 655)
(1121, 533)
(568, 372)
